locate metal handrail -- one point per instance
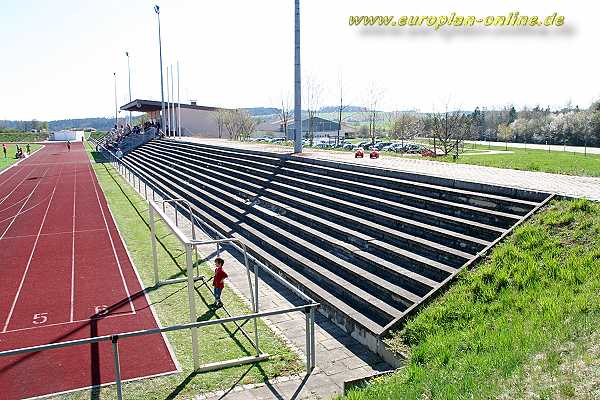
(310, 339)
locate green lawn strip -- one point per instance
(565, 163)
(536, 292)
(22, 137)
(12, 149)
(216, 342)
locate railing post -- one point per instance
(255, 303)
(115, 346)
(153, 240)
(308, 343)
(312, 339)
(192, 303)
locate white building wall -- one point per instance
(199, 123)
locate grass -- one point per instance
(533, 304)
(216, 342)
(537, 160)
(10, 159)
(557, 162)
(22, 137)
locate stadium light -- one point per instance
(129, 72)
(162, 92)
(297, 83)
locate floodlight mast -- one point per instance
(116, 106)
(162, 92)
(297, 84)
(129, 73)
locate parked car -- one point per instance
(428, 153)
(359, 153)
(381, 145)
(374, 153)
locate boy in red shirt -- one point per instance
(218, 280)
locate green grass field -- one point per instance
(10, 159)
(536, 160)
(170, 302)
(22, 137)
(557, 162)
(524, 324)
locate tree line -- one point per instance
(569, 126)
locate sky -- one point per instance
(58, 57)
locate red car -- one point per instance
(374, 153)
(428, 153)
(359, 153)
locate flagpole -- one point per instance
(178, 103)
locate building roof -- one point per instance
(139, 105)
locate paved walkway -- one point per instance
(339, 357)
(567, 185)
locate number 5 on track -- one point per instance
(40, 318)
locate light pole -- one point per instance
(162, 93)
(116, 116)
(297, 83)
(129, 72)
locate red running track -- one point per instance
(65, 275)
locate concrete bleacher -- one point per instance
(369, 244)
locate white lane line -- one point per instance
(14, 303)
(23, 206)
(73, 249)
(26, 210)
(111, 239)
(78, 321)
(54, 233)
(17, 185)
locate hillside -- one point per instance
(521, 325)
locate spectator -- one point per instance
(28, 147)
(218, 281)
(4, 149)
(119, 153)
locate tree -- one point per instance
(512, 115)
(450, 128)
(341, 109)
(404, 125)
(505, 133)
(286, 115)
(313, 98)
(220, 116)
(373, 98)
(239, 124)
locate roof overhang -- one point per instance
(139, 105)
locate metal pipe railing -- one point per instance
(114, 339)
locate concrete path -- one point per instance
(567, 185)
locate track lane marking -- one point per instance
(73, 249)
(54, 233)
(14, 303)
(77, 321)
(17, 186)
(111, 239)
(19, 212)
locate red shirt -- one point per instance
(220, 276)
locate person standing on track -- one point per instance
(218, 281)
(68, 145)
